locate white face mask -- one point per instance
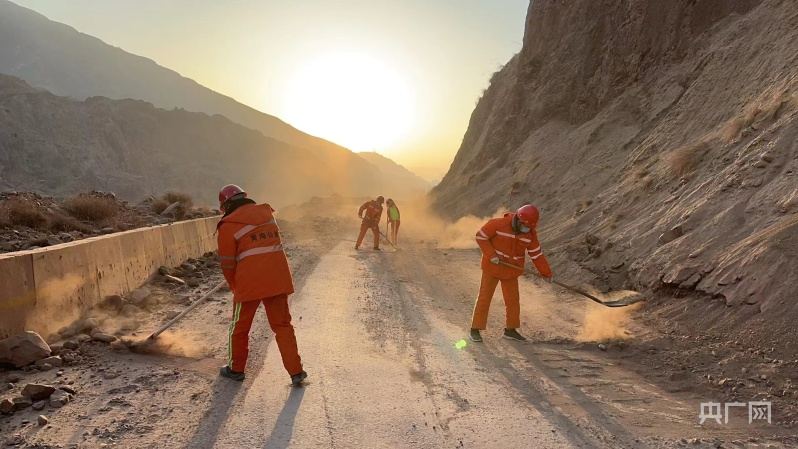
(524, 228)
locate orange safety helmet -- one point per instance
(229, 191)
(528, 215)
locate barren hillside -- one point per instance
(66, 62)
(59, 146)
(659, 140)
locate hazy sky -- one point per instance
(400, 77)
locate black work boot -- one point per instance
(512, 334)
(475, 336)
(297, 379)
(230, 374)
(377, 248)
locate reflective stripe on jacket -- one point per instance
(251, 254)
(373, 212)
(497, 238)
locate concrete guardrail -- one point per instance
(44, 289)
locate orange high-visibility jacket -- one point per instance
(251, 254)
(373, 212)
(497, 238)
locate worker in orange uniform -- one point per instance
(256, 268)
(393, 220)
(370, 213)
(506, 239)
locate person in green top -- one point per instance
(393, 219)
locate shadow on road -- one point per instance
(283, 430)
(208, 431)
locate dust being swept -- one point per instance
(57, 301)
(604, 323)
(180, 344)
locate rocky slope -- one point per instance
(66, 62)
(659, 140)
(59, 146)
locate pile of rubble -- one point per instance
(29, 351)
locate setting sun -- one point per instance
(351, 99)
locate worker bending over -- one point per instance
(256, 268)
(370, 213)
(506, 239)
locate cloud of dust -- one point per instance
(605, 323)
(52, 311)
(420, 223)
(178, 343)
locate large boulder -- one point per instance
(23, 349)
(37, 392)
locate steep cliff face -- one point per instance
(60, 146)
(626, 119)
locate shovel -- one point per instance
(204, 297)
(623, 302)
(387, 240)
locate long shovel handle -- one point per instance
(189, 309)
(565, 286)
(387, 239)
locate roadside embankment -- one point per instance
(43, 289)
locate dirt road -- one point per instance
(381, 336)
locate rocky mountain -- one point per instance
(397, 172)
(659, 140)
(68, 63)
(60, 146)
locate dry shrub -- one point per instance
(685, 160)
(91, 208)
(183, 208)
(159, 205)
(185, 200)
(733, 128)
(65, 223)
(22, 213)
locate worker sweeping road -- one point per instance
(393, 220)
(506, 239)
(370, 213)
(256, 268)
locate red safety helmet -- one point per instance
(380, 199)
(528, 215)
(229, 191)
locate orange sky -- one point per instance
(397, 77)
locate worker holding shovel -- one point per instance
(393, 221)
(504, 241)
(256, 268)
(370, 213)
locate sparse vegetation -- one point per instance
(66, 223)
(22, 213)
(159, 205)
(91, 208)
(685, 160)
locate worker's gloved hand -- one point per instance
(551, 280)
(495, 260)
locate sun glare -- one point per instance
(351, 99)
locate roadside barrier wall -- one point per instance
(44, 289)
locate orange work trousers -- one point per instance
(364, 227)
(394, 231)
(512, 302)
(279, 320)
